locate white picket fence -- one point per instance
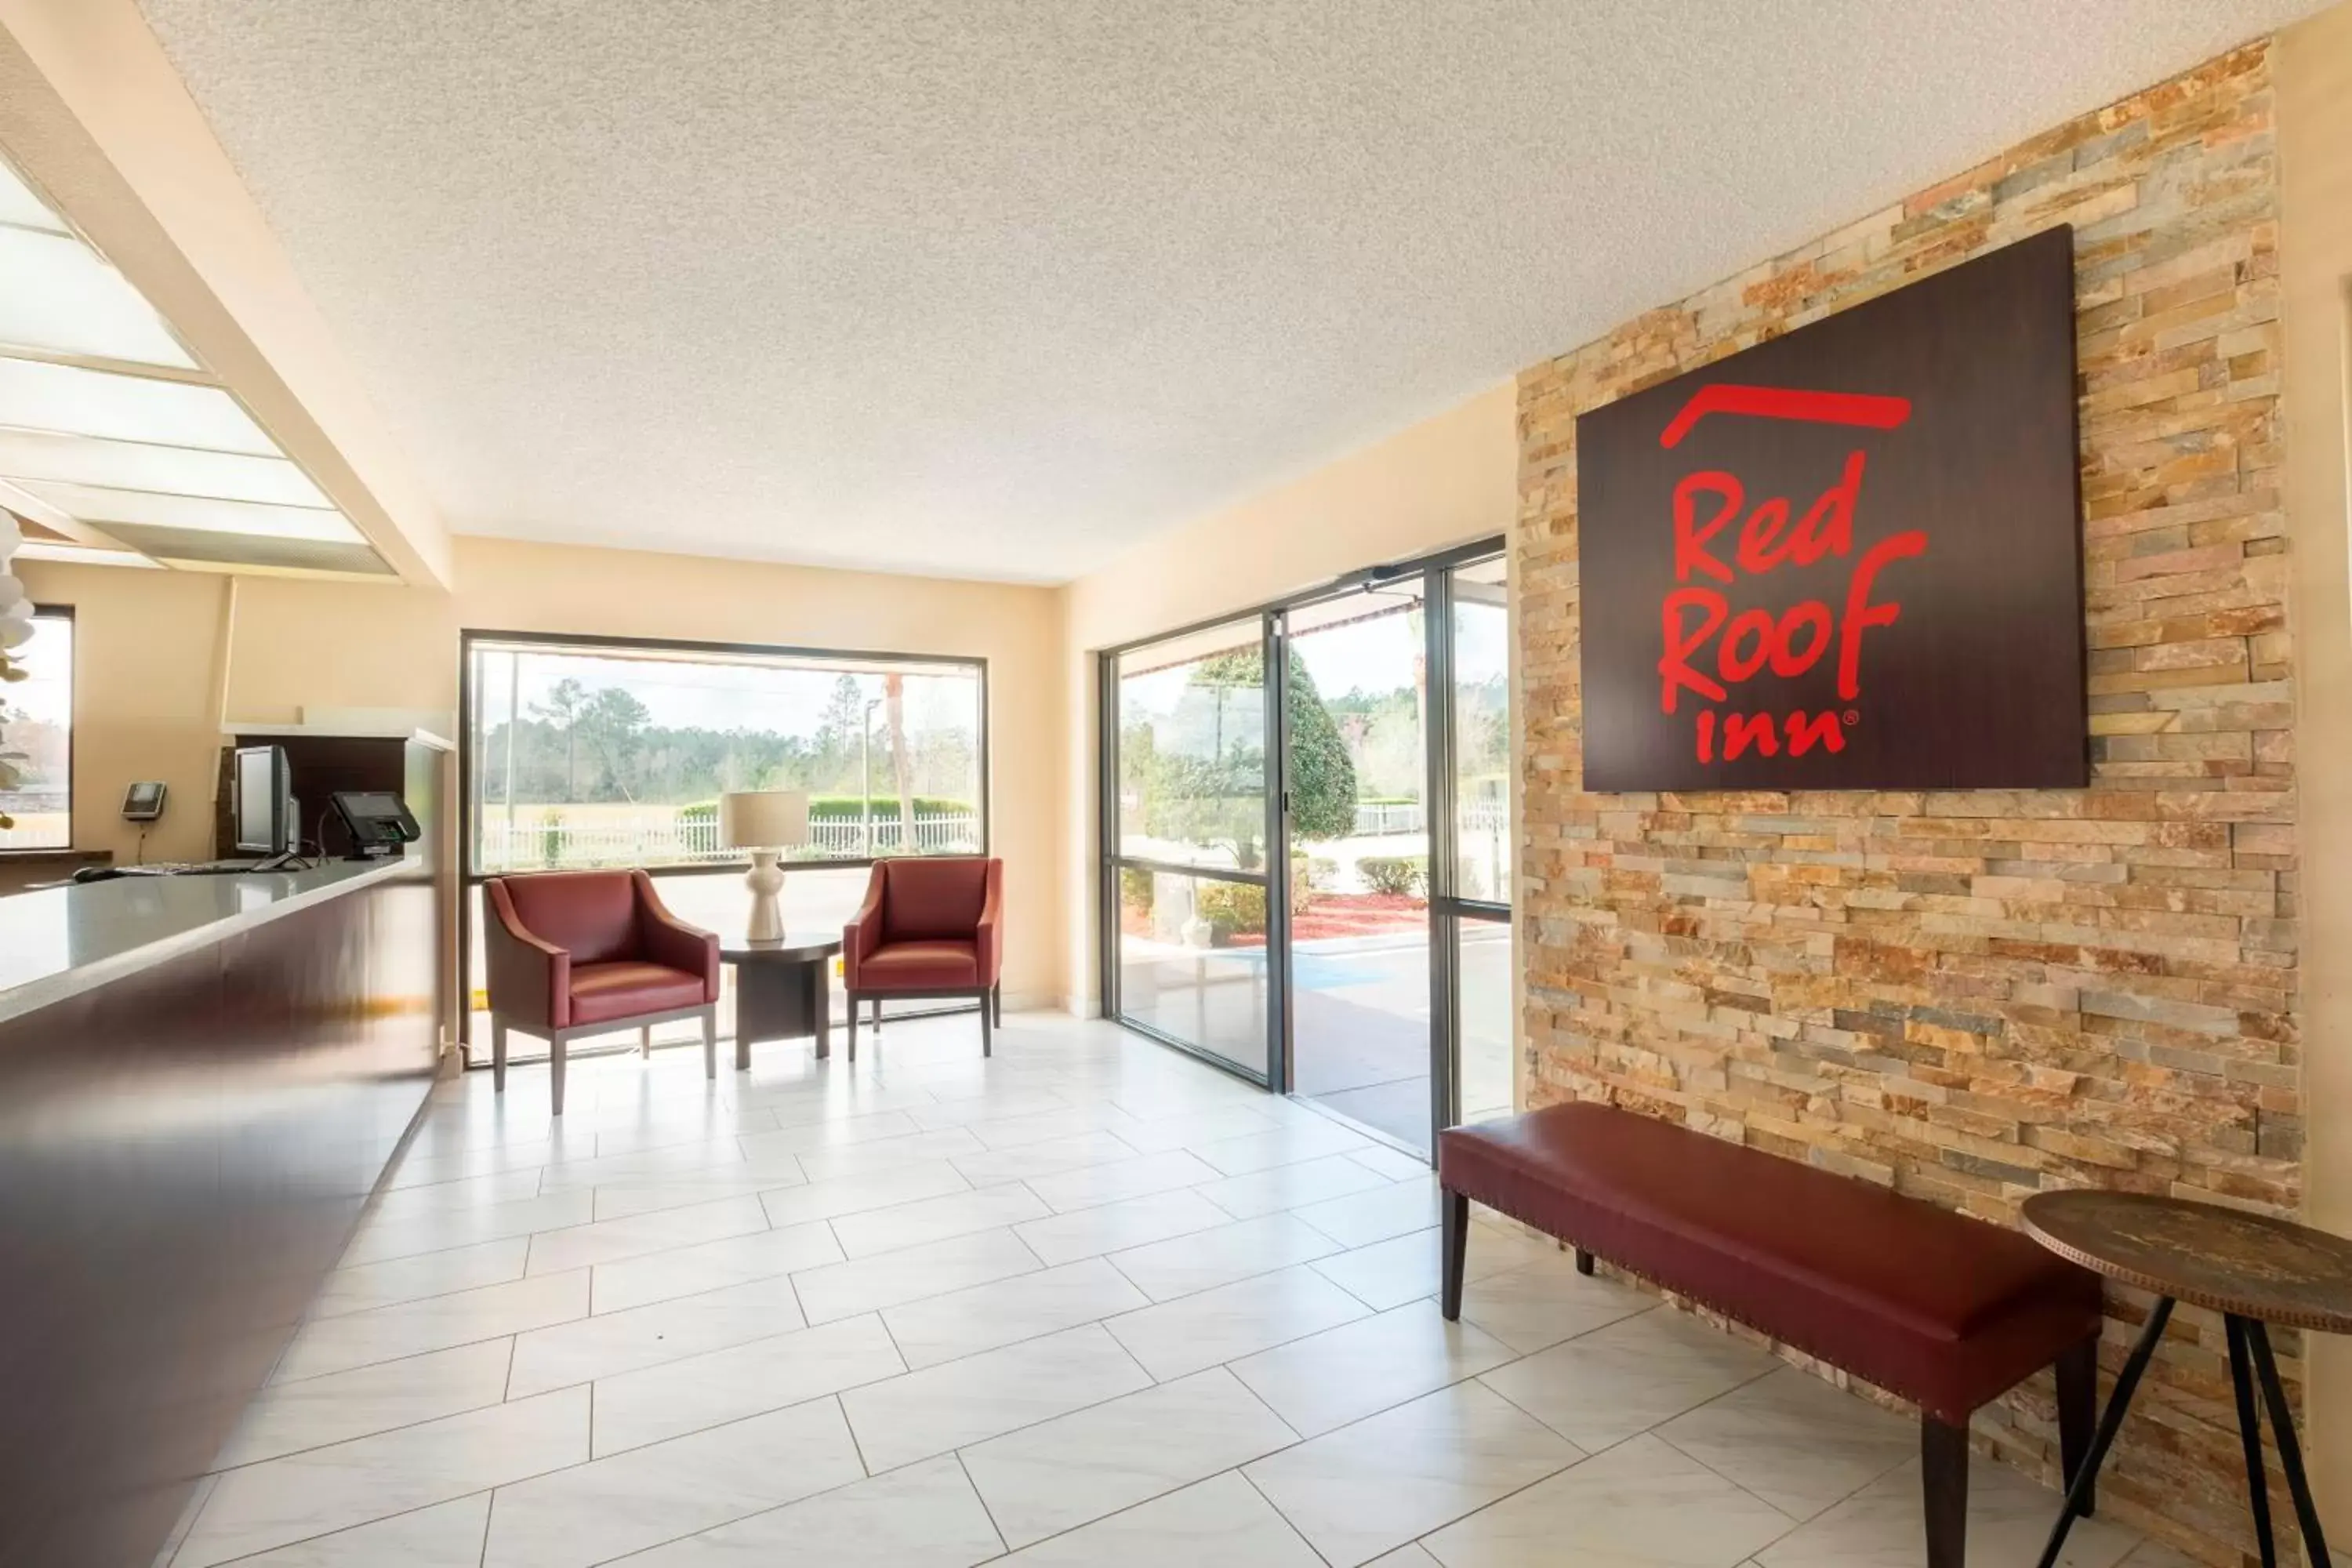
(1376, 819)
(649, 841)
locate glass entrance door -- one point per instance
(1355, 781)
(1190, 818)
(1307, 848)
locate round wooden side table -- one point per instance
(2250, 1268)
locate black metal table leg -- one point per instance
(2250, 1428)
(2307, 1514)
(2126, 1384)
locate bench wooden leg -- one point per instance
(1583, 1261)
(1944, 1489)
(2078, 1412)
(1453, 1244)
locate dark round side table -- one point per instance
(784, 989)
(2250, 1268)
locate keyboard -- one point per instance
(166, 869)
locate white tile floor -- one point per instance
(1087, 1302)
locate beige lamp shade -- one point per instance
(764, 819)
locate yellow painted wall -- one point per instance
(2313, 72)
(1447, 480)
(146, 646)
(147, 649)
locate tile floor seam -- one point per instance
(218, 1471)
(773, 1507)
(1006, 1547)
(1150, 1382)
(398, 1513)
(1659, 1432)
(1289, 1523)
(410, 1355)
(404, 1513)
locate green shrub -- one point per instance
(1135, 888)
(1404, 876)
(550, 839)
(1231, 909)
(886, 807)
(834, 807)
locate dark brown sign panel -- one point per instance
(1848, 558)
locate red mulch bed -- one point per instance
(1331, 915)
(1358, 914)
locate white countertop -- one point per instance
(57, 942)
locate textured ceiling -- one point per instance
(996, 287)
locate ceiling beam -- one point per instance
(91, 110)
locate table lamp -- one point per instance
(765, 822)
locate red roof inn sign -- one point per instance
(1848, 558)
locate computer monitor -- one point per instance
(263, 808)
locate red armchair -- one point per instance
(930, 927)
(587, 952)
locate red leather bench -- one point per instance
(1947, 1311)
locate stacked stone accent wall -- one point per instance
(1975, 996)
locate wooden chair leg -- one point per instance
(878, 1015)
(1583, 1262)
(1453, 1249)
(645, 1041)
(498, 1056)
(555, 1071)
(987, 1044)
(1944, 1489)
(852, 1025)
(710, 1043)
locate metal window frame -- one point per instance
(469, 877)
(73, 729)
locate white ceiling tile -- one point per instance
(74, 401)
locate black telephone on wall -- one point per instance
(377, 820)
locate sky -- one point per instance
(47, 658)
(693, 695)
(1373, 655)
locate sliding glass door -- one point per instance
(1189, 726)
(1356, 780)
(1308, 845)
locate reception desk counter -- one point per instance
(202, 1079)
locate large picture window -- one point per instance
(37, 735)
(615, 754)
